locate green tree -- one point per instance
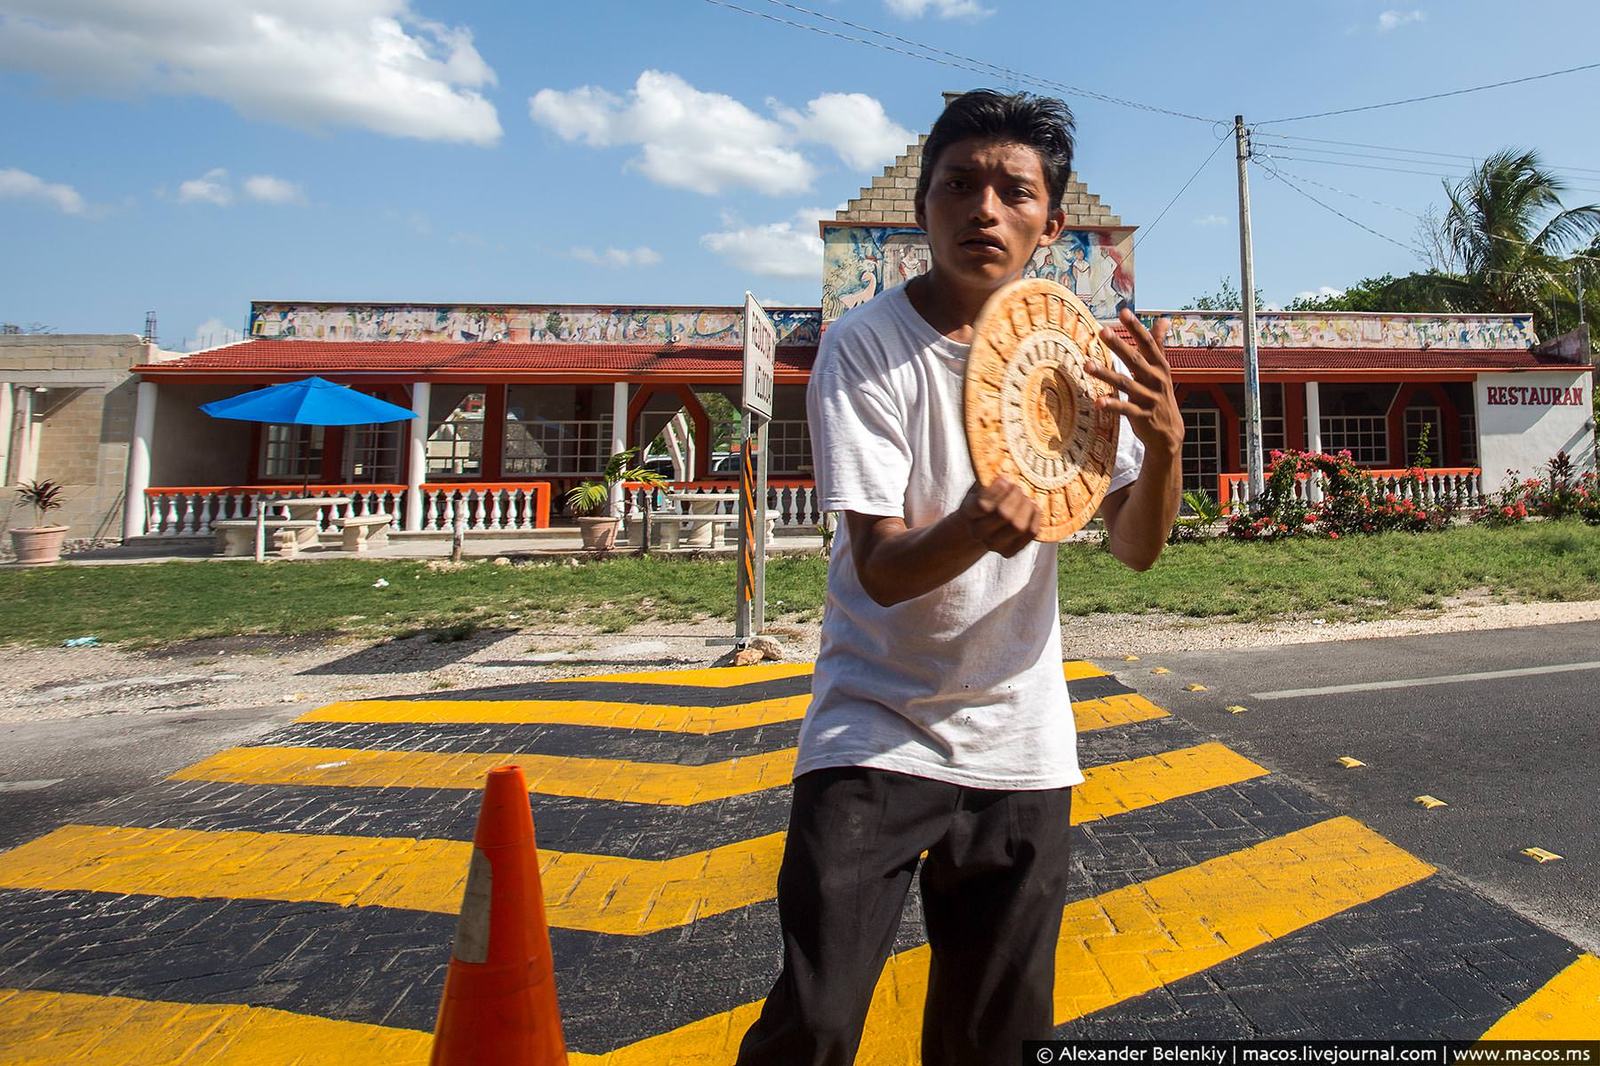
(1422, 292)
(1507, 227)
(1226, 298)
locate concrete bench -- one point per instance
(360, 532)
(675, 528)
(690, 530)
(237, 536)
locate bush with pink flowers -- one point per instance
(1350, 502)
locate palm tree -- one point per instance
(1509, 233)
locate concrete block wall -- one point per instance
(84, 422)
(891, 198)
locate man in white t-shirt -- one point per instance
(940, 722)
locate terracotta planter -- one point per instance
(39, 545)
(599, 532)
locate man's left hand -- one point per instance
(1147, 398)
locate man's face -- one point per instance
(987, 210)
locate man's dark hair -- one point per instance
(1042, 123)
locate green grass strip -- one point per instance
(1365, 577)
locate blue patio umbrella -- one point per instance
(311, 402)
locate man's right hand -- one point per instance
(1000, 516)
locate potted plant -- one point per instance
(599, 531)
(41, 543)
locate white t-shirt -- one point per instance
(963, 684)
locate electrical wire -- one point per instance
(1277, 172)
(1145, 231)
(931, 54)
(1271, 141)
(1279, 176)
(1342, 192)
(1433, 96)
(1408, 151)
(1447, 175)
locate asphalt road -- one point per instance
(51, 770)
(1515, 758)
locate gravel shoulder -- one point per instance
(53, 684)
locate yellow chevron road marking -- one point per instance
(1122, 943)
(660, 717)
(733, 676)
(1098, 713)
(716, 677)
(67, 1028)
(1133, 784)
(1078, 670)
(599, 893)
(1108, 711)
(1566, 1008)
(666, 784)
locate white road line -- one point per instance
(29, 786)
(1416, 682)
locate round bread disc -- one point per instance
(1030, 410)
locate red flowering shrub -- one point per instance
(1346, 506)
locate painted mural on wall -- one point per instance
(1310, 329)
(522, 324)
(858, 262)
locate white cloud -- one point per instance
(853, 124)
(1392, 20)
(945, 9)
(1213, 219)
(689, 139)
(617, 257)
(210, 188)
(788, 249)
(211, 333)
(215, 187)
(373, 64)
(710, 142)
(20, 185)
(1319, 294)
(271, 190)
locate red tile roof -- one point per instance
(258, 359)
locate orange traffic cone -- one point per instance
(499, 1003)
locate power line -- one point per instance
(1147, 230)
(1408, 151)
(1330, 208)
(1278, 173)
(931, 54)
(1342, 192)
(1271, 141)
(1076, 90)
(1433, 96)
(1456, 175)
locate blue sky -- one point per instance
(191, 155)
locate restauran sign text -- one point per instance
(1534, 396)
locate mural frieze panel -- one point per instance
(522, 324)
(858, 262)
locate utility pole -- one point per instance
(1247, 273)
(1578, 270)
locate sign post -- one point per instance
(760, 354)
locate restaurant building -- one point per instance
(517, 402)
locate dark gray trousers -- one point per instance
(993, 886)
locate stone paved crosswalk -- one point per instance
(291, 901)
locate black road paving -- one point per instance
(52, 772)
(1516, 758)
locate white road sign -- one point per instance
(760, 354)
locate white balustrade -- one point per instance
(794, 502)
